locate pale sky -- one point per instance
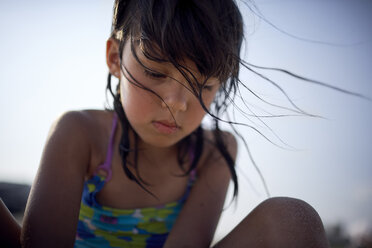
(53, 60)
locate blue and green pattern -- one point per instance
(101, 226)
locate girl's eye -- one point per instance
(208, 87)
(154, 74)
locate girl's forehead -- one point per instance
(151, 54)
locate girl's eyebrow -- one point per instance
(158, 58)
(156, 54)
(141, 58)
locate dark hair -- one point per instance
(209, 33)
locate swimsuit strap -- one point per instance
(106, 166)
(192, 156)
(192, 178)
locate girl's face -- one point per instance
(162, 120)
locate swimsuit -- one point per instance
(102, 226)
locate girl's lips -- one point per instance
(165, 127)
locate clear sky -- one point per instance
(53, 60)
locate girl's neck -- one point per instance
(157, 155)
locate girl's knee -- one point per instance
(279, 222)
(288, 209)
(291, 221)
(288, 212)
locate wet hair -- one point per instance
(210, 34)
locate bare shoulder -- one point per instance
(228, 139)
(212, 156)
(58, 185)
(87, 130)
(80, 120)
(82, 125)
(71, 143)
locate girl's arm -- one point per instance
(52, 210)
(198, 219)
(9, 228)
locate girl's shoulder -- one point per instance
(211, 155)
(89, 124)
(67, 160)
(87, 117)
(89, 127)
(90, 120)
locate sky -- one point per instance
(53, 60)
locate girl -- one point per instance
(146, 174)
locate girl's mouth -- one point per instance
(165, 127)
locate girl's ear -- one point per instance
(112, 57)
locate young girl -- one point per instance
(146, 174)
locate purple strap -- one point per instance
(193, 172)
(106, 166)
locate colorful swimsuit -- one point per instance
(101, 226)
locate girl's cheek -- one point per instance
(208, 98)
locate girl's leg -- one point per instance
(10, 231)
(278, 222)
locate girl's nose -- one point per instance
(175, 98)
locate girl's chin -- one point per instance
(160, 141)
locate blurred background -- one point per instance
(53, 60)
